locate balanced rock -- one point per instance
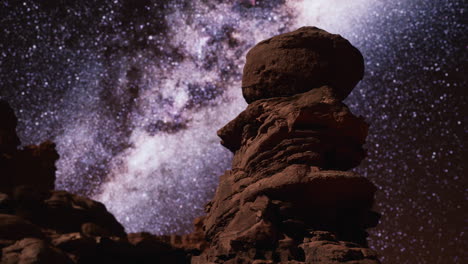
(299, 61)
(288, 197)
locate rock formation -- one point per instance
(288, 198)
(301, 60)
(41, 225)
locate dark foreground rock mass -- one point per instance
(41, 225)
(31, 165)
(287, 199)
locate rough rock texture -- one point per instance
(324, 247)
(288, 198)
(299, 61)
(194, 242)
(33, 250)
(42, 225)
(310, 128)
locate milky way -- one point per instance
(133, 92)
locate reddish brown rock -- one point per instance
(76, 226)
(68, 212)
(33, 250)
(288, 198)
(299, 61)
(323, 247)
(89, 250)
(153, 249)
(42, 225)
(311, 128)
(63, 212)
(193, 242)
(77, 246)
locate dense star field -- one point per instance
(132, 92)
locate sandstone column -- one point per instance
(289, 197)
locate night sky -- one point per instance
(132, 92)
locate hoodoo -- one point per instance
(288, 197)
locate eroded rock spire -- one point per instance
(288, 197)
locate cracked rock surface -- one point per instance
(289, 197)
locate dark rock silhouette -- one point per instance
(41, 225)
(32, 165)
(9, 141)
(13, 227)
(33, 250)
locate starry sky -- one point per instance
(133, 92)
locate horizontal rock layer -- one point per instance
(310, 128)
(288, 198)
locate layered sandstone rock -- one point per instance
(33, 250)
(288, 197)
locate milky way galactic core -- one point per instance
(133, 92)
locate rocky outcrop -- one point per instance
(33, 250)
(13, 227)
(9, 141)
(288, 197)
(41, 225)
(32, 165)
(193, 243)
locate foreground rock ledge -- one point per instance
(42, 225)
